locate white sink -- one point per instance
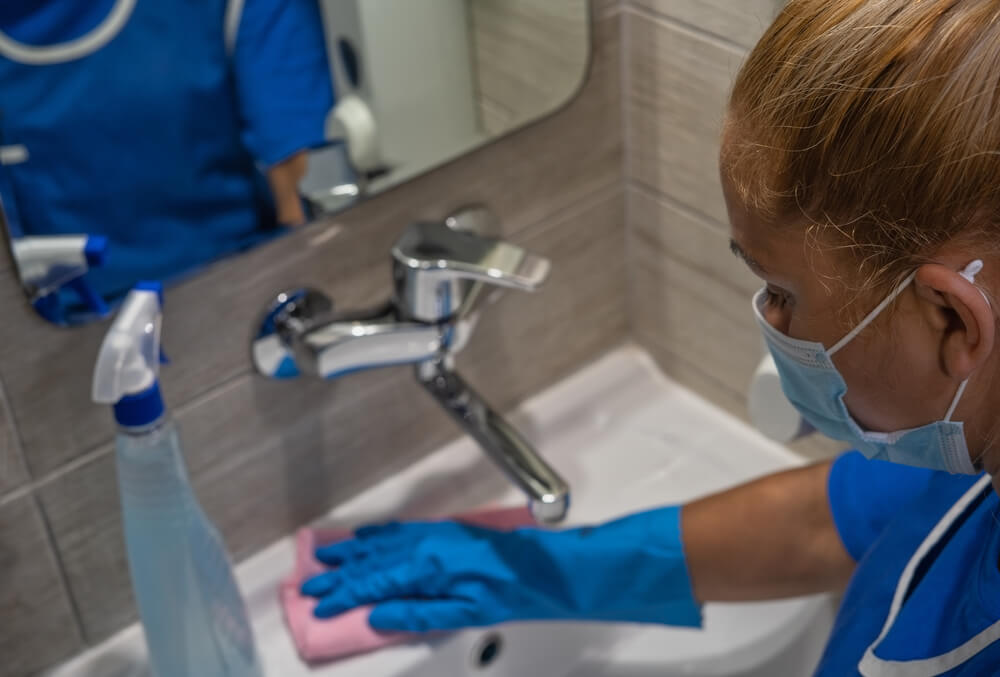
(626, 438)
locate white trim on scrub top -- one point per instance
(873, 666)
(234, 12)
(39, 55)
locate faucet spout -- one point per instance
(548, 492)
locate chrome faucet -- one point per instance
(441, 274)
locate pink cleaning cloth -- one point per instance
(349, 633)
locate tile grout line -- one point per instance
(609, 12)
(720, 41)
(625, 75)
(15, 433)
(95, 452)
(627, 140)
(674, 355)
(60, 567)
(682, 207)
(725, 285)
(601, 194)
(15, 494)
(697, 267)
(27, 490)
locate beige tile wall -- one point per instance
(12, 470)
(37, 621)
(738, 21)
(689, 299)
(528, 57)
(268, 456)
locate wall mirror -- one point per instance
(144, 139)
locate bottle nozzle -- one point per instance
(129, 360)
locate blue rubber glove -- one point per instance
(445, 576)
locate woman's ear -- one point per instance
(959, 310)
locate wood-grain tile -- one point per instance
(742, 22)
(37, 627)
(696, 305)
(528, 57)
(669, 230)
(699, 319)
(6, 255)
(601, 8)
(12, 470)
(84, 514)
(267, 456)
(679, 83)
(527, 177)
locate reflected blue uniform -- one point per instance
(925, 598)
(155, 137)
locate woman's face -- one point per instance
(892, 368)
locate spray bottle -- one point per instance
(192, 613)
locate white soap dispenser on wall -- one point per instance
(769, 409)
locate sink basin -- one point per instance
(626, 438)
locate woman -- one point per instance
(861, 169)
(147, 121)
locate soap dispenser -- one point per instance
(193, 616)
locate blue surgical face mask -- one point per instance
(815, 387)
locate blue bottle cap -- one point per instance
(141, 409)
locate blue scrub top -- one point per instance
(928, 542)
(157, 137)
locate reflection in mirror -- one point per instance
(144, 139)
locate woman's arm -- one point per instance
(771, 538)
(285, 92)
(774, 537)
(283, 178)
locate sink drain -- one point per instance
(487, 651)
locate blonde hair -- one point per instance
(876, 123)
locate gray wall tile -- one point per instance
(6, 256)
(679, 81)
(601, 8)
(83, 512)
(532, 175)
(687, 304)
(742, 21)
(38, 627)
(12, 471)
(529, 57)
(679, 233)
(268, 456)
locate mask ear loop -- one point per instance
(954, 401)
(969, 273)
(874, 313)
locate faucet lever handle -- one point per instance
(440, 251)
